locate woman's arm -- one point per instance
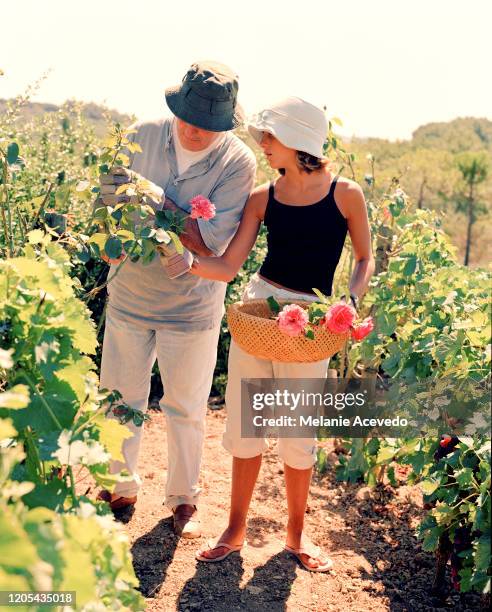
(354, 206)
(225, 267)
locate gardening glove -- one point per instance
(118, 176)
(174, 263)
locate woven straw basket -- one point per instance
(259, 335)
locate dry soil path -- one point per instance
(378, 564)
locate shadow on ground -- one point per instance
(152, 555)
(217, 586)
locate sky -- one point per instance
(384, 67)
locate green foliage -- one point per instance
(465, 134)
(474, 167)
(435, 324)
(458, 485)
(426, 167)
(53, 425)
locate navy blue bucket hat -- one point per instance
(207, 97)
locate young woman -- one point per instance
(307, 212)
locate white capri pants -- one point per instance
(298, 453)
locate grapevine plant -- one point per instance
(131, 230)
(434, 326)
(55, 435)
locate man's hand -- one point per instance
(174, 263)
(116, 261)
(119, 176)
(191, 238)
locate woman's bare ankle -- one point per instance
(294, 535)
(235, 530)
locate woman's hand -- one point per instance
(354, 300)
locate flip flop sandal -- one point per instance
(213, 545)
(314, 552)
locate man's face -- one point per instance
(193, 138)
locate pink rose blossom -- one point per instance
(340, 318)
(202, 208)
(292, 320)
(359, 332)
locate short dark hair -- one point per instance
(307, 162)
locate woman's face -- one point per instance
(277, 154)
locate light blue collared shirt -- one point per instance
(144, 294)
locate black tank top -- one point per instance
(304, 243)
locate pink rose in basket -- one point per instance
(340, 318)
(202, 208)
(292, 320)
(359, 332)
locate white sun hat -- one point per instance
(297, 124)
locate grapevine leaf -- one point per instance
(83, 253)
(78, 570)
(429, 486)
(482, 553)
(75, 373)
(35, 236)
(273, 304)
(48, 409)
(16, 551)
(162, 236)
(177, 242)
(12, 153)
(322, 297)
(113, 247)
(99, 239)
(15, 398)
(6, 429)
(431, 539)
(50, 495)
(112, 435)
(125, 234)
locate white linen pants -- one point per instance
(186, 362)
(298, 453)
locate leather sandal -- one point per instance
(118, 503)
(314, 552)
(186, 523)
(212, 545)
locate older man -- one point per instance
(177, 320)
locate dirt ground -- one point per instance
(369, 534)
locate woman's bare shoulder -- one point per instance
(349, 197)
(348, 187)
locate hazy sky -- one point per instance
(384, 66)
